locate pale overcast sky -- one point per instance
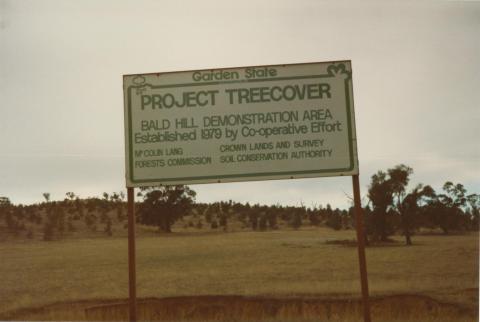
(416, 78)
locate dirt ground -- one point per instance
(241, 308)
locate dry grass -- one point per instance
(280, 263)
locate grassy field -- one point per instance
(280, 264)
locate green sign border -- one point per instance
(333, 70)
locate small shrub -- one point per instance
(334, 221)
(48, 231)
(296, 221)
(108, 227)
(223, 221)
(262, 224)
(253, 217)
(70, 226)
(214, 224)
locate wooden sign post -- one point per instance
(361, 247)
(132, 273)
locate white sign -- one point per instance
(240, 124)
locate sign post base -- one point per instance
(361, 247)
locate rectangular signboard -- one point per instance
(240, 124)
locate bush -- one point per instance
(272, 219)
(314, 218)
(297, 220)
(223, 221)
(253, 218)
(108, 227)
(48, 231)
(262, 223)
(214, 224)
(30, 234)
(70, 226)
(334, 221)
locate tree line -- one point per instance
(390, 208)
(53, 220)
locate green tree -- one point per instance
(4, 201)
(271, 214)
(208, 213)
(54, 226)
(117, 199)
(104, 206)
(5, 208)
(70, 225)
(46, 195)
(410, 209)
(48, 231)
(91, 221)
(253, 216)
(79, 207)
(392, 206)
(108, 227)
(262, 222)
(314, 216)
(380, 194)
(399, 176)
(473, 201)
(70, 195)
(214, 223)
(163, 205)
(222, 217)
(50, 223)
(334, 218)
(296, 222)
(449, 206)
